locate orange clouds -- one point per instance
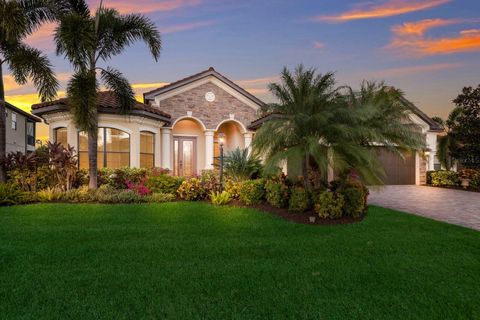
(419, 28)
(410, 38)
(386, 9)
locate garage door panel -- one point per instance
(398, 171)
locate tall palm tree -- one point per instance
(334, 126)
(85, 39)
(18, 19)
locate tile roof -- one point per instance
(105, 100)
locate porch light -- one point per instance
(221, 140)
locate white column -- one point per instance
(72, 136)
(431, 140)
(158, 152)
(135, 148)
(248, 136)
(166, 148)
(209, 146)
(417, 168)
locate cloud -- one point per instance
(186, 26)
(419, 28)
(11, 87)
(385, 9)
(403, 71)
(318, 45)
(410, 38)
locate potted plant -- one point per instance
(465, 176)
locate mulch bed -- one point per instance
(303, 218)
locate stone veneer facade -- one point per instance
(210, 113)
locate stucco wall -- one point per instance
(16, 139)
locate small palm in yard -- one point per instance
(19, 19)
(316, 119)
(85, 39)
(242, 164)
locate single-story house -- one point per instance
(177, 127)
(20, 127)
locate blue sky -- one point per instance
(428, 48)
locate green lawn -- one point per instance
(192, 260)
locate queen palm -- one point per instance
(18, 19)
(334, 126)
(85, 39)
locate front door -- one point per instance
(184, 156)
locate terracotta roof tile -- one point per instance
(106, 100)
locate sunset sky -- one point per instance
(428, 48)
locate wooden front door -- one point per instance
(184, 156)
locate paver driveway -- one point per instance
(452, 206)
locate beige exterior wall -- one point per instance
(132, 125)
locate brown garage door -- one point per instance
(398, 170)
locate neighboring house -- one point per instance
(178, 125)
(20, 130)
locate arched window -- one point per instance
(113, 149)
(147, 149)
(61, 136)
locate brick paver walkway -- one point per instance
(452, 206)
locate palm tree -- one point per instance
(334, 126)
(85, 39)
(447, 141)
(18, 19)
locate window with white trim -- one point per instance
(14, 121)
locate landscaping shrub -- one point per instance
(220, 199)
(445, 178)
(468, 173)
(299, 200)
(48, 195)
(429, 177)
(210, 180)
(354, 201)
(163, 183)
(475, 182)
(191, 190)
(252, 192)
(233, 187)
(329, 205)
(81, 194)
(138, 187)
(119, 177)
(161, 197)
(120, 196)
(276, 193)
(242, 164)
(10, 194)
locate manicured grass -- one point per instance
(192, 260)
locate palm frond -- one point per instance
(116, 82)
(29, 63)
(82, 99)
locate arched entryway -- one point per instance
(234, 136)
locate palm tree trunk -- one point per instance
(3, 131)
(92, 154)
(305, 168)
